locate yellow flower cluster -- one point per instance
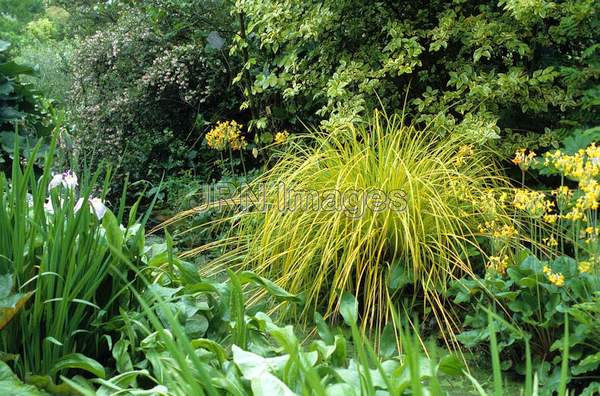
(582, 165)
(550, 241)
(498, 264)
(523, 160)
(591, 190)
(563, 196)
(503, 231)
(550, 218)
(585, 266)
(556, 278)
(226, 134)
(589, 200)
(464, 152)
(281, 137)
(533, 202)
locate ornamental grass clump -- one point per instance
(370, 210)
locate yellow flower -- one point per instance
(585, 266)
(281, 137)
(557, 279)
(534, 202)
(504, 231)
(584, 164)
(550, 241)
(523, 160)
(547, 270)
(224, 134)
(563, 191)
(498, 264)
(550, 218)
(574, 215)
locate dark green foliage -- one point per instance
(145, 89)
(20, 108)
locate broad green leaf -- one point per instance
(14, 69)
(11, 385)
(114, 234)
(6, 285)
(272, 288)
(120, 353)
(451, 365)
(349, 308)
(269, 385)
(590, 363)
(323, 328)
(341, 389)
(196, 326)
(388, 344)
(211, 346)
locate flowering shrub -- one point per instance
(141, 97)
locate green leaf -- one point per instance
(6, 88)
(14, 69)
(349, 309)
(388, 347)
(211, 346)
(399, 277)
(120, 353)
(114, 234)
(590, 363)
(340, 389)
(269, 385)
(451, 365)
(6, 285)
(10, 384)
(323, 329)
(79, 361)
(196, 326)
(272, 288)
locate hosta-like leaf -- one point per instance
(349, 308)
(10, 384)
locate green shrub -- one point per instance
(485, 68)
(23, 115)
(144, 89)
